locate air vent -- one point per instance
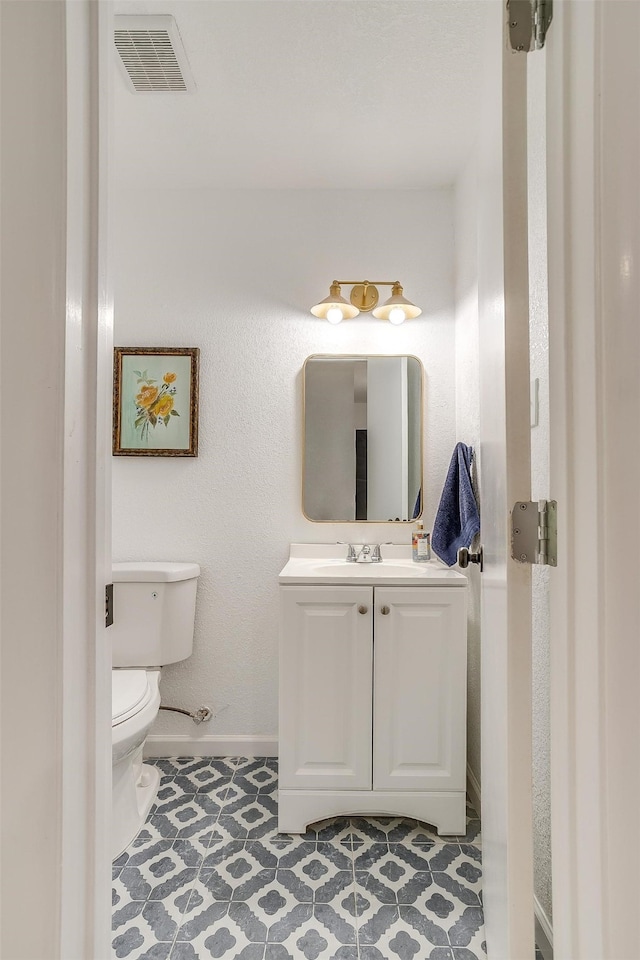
(151, 55)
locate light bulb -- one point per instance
(397, 315)
(334, 315)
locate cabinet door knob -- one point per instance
(362, 608)
(384, 610)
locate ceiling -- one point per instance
(308, 94)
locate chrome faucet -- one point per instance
(368, 552)
(365, 555)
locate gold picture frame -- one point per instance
(155, 401)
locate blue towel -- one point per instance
(418, 506)
(457, 520)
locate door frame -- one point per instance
(85, 914)
(85, 918)
(593, 144)
(57, 350)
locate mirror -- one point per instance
(362, 438)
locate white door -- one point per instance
(419, 728)
(504, 474)
(325, 688)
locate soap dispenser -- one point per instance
(421, 545)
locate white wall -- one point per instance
(468, 415)
(235, 273)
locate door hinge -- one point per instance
(534, 532)
(108, 605)
(529, 22)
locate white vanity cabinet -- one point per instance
(373, 699)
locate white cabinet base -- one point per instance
(373, 695)
(298, 808)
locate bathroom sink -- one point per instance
(399, 570)
(391, 568)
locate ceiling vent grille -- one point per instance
(151, 55)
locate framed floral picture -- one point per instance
(155, 401)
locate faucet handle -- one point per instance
(351, 551)
(376, 555)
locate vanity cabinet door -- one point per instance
(325, 688)
(420, 689)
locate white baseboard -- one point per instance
(181, 745)
(544, 930)
(473, 789)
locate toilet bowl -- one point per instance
(154, 612)
(135, 702)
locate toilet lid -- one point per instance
(130, 692)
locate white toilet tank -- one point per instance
(154, 606)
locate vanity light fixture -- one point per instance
(364, 297)
(335, 308)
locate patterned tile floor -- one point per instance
(210, 876)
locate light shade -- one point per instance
(335, 300)
(397, 300)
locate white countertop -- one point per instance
(318, 563)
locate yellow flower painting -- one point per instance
(153, 405)
(155, 401)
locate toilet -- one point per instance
(154, 608)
